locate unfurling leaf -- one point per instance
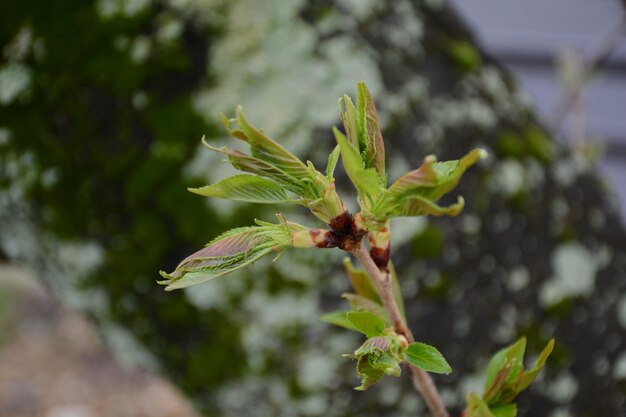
(529, 376)
(374, 153)
(366, 322)
(282, 170)
(365, 179)
(416, 192)
(248, 188)
(265, 148)
(510, 357)
(333, 158)
(476, 407)
(509, 410)
(231, 251)
(426, 357)
(361, 282)
(358, 302)
(377, 357)
(506, 378)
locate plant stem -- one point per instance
(422, 381)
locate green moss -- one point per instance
(539, 143)
(464, 55)
(561, 309)
(532, 141)
(510, 144)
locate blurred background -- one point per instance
(102, 107)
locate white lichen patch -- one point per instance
(110, 8)
(169, 29)
(316, 369)
(619, 367)
(361, 9)
(285, 309)
(509, 177)
(518, 279)
(504, 331)
(313, 405)
(563, 388)
(566, 170)
(407, 32)
(620, 309)
(279, 74)
(402, 230)
(15, 79)
(574, 272)
(140, 49)
(452, 113)
(601, 365)
(472, 382)
(470, 224)
(17, 49)
(5, 136)
(126, 348)
(560, 412)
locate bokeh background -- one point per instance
(102, 106)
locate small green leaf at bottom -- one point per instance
(366, 322)
(426, 357)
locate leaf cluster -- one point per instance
(273, 175)
(506, 378)
(413, 194)
(384, 350)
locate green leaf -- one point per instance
(424, 176)
(348, 116)
(367, 323)
(338, 318)
(371, 138)
(415, 193)
(511, 356)
(365, 180)
(395, 288)
(377, 357)
(368, 374)
(426, 357)
(477, 407)
(247, 163)
(227, 253)
(506, 377)
(417, 205)
(530, 376)
(266, 149)
(333, 158)
(361, 282)
(509, 410)
(248, 188)
(358, 302)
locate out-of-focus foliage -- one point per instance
(103, 129)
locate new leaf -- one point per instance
(426, 357)
(367, 323)
(248, 188)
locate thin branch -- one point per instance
(422, 381)
(595, 58)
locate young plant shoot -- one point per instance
(273, 175)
